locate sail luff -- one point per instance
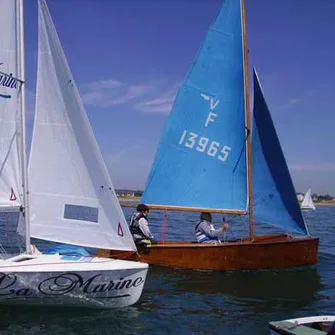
(248, 120)
(22, 106)
(10, 156)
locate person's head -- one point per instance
(206, 216)
(142, 208)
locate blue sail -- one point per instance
(275, 200)
(200, 161)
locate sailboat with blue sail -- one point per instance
(207, 160)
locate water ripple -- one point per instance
(179, 301)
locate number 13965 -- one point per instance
(203, 144)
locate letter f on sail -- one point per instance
(212, 103)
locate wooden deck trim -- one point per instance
(187, 244)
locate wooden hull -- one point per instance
(265, 252)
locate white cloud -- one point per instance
(161, 103)
(106, 84)
(110, 92)
(152, 97)
(294, 101)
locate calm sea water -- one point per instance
(177, 301)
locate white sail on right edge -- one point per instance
(72, 197)
(10, 176)
(307, 203)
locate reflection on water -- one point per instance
(263, 284)
(39, 320)
(255, 291)
(179, 301)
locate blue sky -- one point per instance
(128, 58)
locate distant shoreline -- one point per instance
(324, 203)
(129, 199)
(138, 199)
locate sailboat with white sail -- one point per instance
(206, 161)
(307, 202)
(67, 195)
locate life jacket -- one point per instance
(134, 226)
(202, 236)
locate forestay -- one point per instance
(200, 161)
(72, 197)
(275, 200)
(10, 173)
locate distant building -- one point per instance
(128, 193)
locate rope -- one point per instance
(3, 252)
(6, 223)
(164, 227)
(225, 234)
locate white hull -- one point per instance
(53, 280)
(308, 208)
(300, 325)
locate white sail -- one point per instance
(10, 172)
(307, 203)
(72, 197)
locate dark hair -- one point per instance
(206, 216)
(142, 208)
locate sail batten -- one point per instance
(72, 195)
(198, 163)
(275, 200)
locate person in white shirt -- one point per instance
(139, 226)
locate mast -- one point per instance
(22, 107)
(248, 119)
